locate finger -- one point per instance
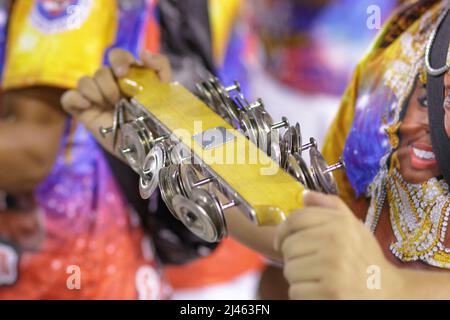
(300, 244)
(305, 291)
(120, 61)
(90, 91)
(305, 269)
(159, 63)
(302, 219)
(72, 102)
(95, 118)
(104, 79)
(317, 199)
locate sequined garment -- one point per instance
(419, 216)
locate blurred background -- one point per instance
(297, 55)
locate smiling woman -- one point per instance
(415, 154)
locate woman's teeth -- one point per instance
(426, 155)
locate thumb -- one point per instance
(121, 61)
(316, 199)
(73, 102)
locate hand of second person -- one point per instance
(329, 254)
(23, 225)
(93, 101)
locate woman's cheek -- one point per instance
(447, 120)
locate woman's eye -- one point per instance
(423, 101)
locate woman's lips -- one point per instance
(422, 156)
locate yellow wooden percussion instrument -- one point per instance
(208, 155)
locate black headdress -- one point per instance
(436, 57)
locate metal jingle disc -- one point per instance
(122, 111)
(294, 169)
(325, 179)
(206, 95)
(232, 111)
(229, 106)
(146, 134)
(273, 146)
(168, 146)
(286, 146)
(219, 87)
(191, 175)
(174, 180)
(195, 218)
(188, 178)
(166, 190)
(178, 154)
(115, 125)
(297, 141)
(241, 103)
(130, 108)
(211, 97)
(263, 121)
(141, 123)
(153, 163)
(248, 127)
(128, 111)
(218, 103)
(123, 108)
(202, 92)
(211, 204)
(319, 187)
(135, 145)
(288, 139)
(309, 178)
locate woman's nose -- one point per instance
(413, 128)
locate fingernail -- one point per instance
(147, 55)
(276, 244)
(120, 71)
(85, 104)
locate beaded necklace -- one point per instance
(419, 215)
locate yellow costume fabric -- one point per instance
(60, 51)
(223, 15)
